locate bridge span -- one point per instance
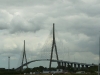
(62, 63)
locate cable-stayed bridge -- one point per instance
(53, 47)
(63, 63)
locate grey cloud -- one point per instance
(23, 3)
(91, 8)
(77, 23)
(4, 19)
(19, 24)
(3, 26)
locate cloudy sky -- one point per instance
(77, 24)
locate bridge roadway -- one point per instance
(60, 61)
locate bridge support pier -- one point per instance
(71, 64)
(65, 64)
(86, 66)
(75, 66)
(62, 64)
(78, 66)
(82, 66)
(59, 64)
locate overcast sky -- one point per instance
(77, 24)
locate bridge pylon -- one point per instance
(53, 45)
(24, 56)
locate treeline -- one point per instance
(70, 69)
(40, 69)
(4, 71)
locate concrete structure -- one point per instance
(60, 62)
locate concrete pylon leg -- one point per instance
(62, 64)
(65, 64)
(59, 64)
(78, 66)
(71, 64)
(82, 66)
(86, 66)
(75, 66)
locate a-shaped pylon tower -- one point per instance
(53, 46)
(24, 56)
